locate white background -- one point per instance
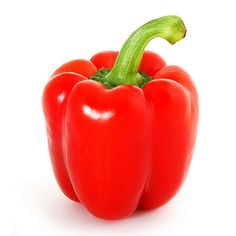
(38, 36)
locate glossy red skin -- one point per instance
(122, 148)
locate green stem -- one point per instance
(125, 70)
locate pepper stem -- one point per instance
(125, 70)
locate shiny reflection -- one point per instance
(61, 97)
(97, 115)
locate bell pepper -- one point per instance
(121, 127)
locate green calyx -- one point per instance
(100, 76)
(126, 67)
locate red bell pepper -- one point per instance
(121, 127)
